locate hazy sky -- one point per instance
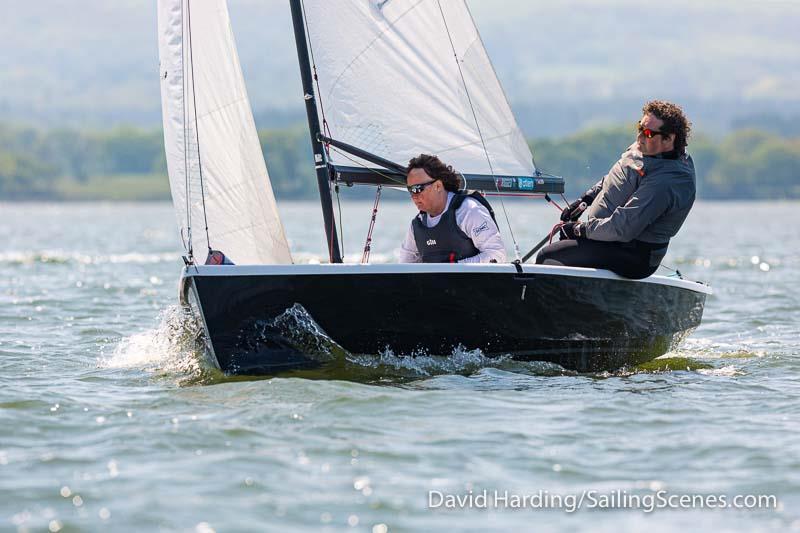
(95, 61)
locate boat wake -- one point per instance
(704, 356)
(174, 349)
(704, 348)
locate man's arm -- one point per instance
(477, 223)
(408, 250)
(630, 158)
(573, 211)
(628, 221)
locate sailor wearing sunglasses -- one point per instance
(452, 226)
(636, 209)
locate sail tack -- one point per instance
(217, 173)
(402, 77)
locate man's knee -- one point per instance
(541, 256)
(548, 255)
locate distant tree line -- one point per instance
(46, 165)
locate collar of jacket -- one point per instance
(672, 154)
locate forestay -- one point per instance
(216, 168)
(389, 83)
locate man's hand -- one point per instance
(570, 230)
(574, 210)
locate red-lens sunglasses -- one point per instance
(648, 133)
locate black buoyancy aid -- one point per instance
(446, 242)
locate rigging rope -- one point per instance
(478, 127)
(196, 125)
(341, 230)
(325, 128)
(553, 232)
(675, 270)
(368, 244)
(185, 115)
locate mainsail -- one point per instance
(402, 77)
(217, 173)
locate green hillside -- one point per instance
(129, 164)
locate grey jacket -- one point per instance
(641, 198)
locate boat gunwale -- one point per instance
(431, 268)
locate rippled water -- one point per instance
(112, 419)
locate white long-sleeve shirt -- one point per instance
(475, 221)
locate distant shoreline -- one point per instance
(129, 164)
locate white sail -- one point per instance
(216, 168)
(403, 77)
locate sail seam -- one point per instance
(221, 108)
(377, 38)
(464, 145)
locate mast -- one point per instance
(320, 163)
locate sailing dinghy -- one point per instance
(383, 81)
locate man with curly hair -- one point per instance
(452, 226)
(635, 209)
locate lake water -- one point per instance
(110, 421)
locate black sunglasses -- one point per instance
(647, 132)
(416, 189)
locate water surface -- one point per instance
(110, 419)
